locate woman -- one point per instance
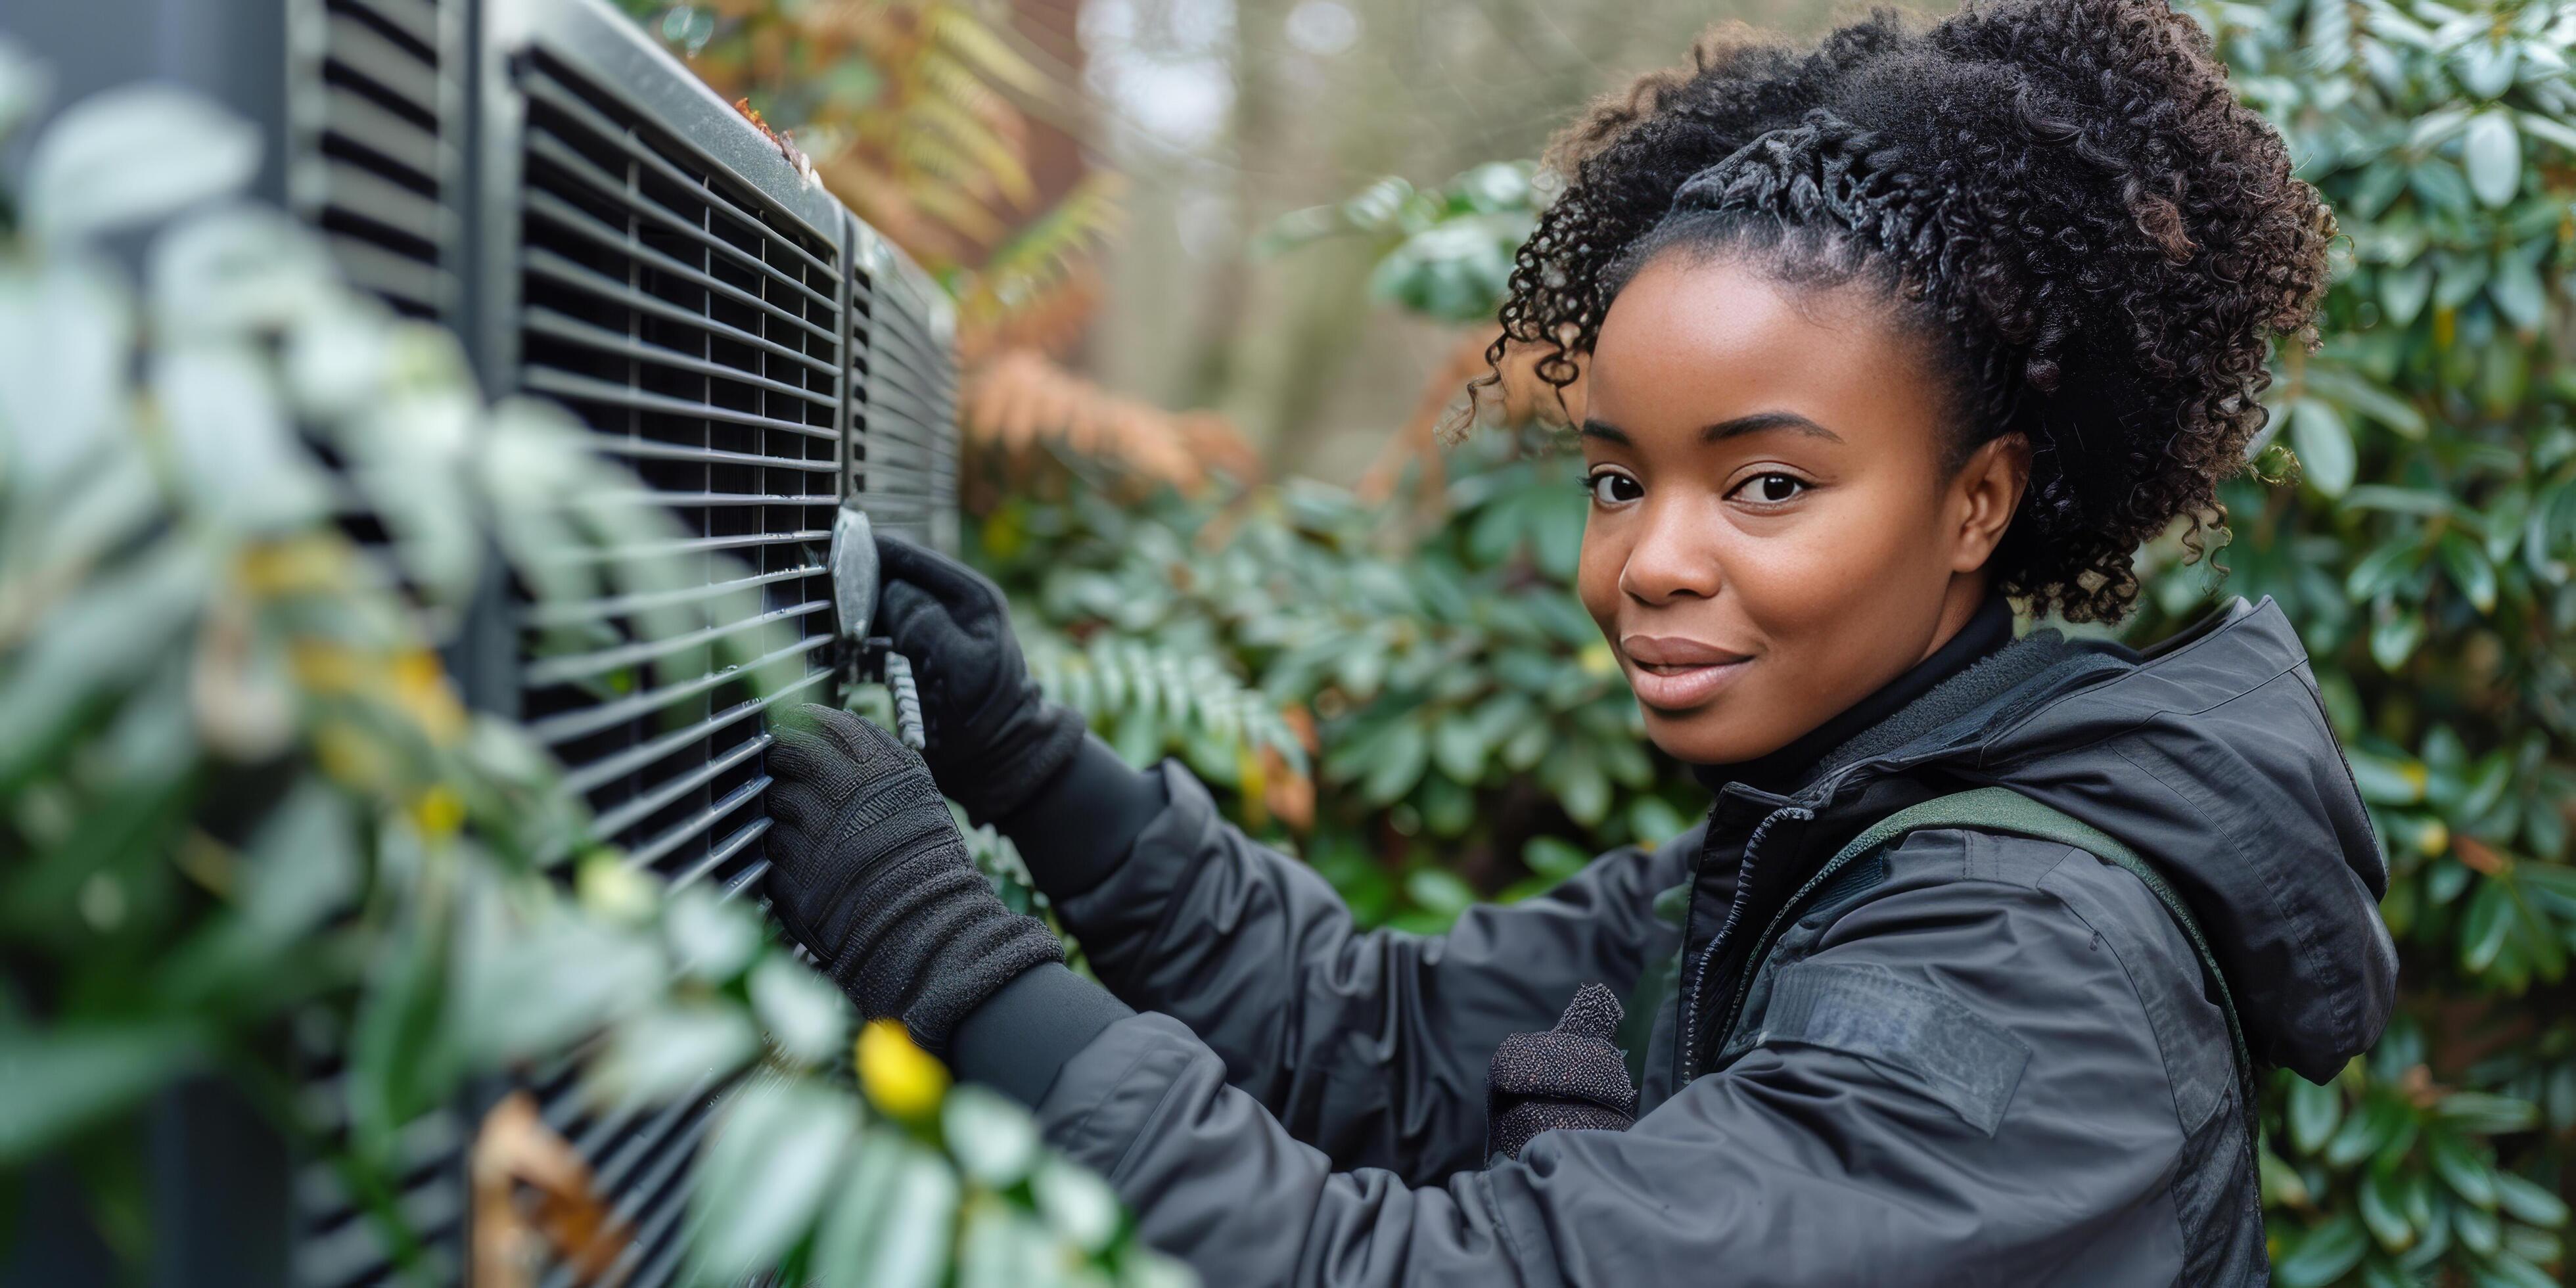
(1873, 339)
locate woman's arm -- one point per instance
(1971, 1092)
(1370, 1045)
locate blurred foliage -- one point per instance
(246, 822)
(2417, 520)
(1445, 254)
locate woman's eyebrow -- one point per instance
(1606, 432)
(1762, 420)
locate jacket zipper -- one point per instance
(1744, 871)
(1771, 935)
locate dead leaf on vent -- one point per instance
(535, 1204)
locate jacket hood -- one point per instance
(2210, 754)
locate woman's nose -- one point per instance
(1672, 559)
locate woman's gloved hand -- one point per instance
(867, 870)
(994, 739)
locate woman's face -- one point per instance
(1774, 532)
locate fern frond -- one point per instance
(963, 33)
(1151, 700)
(978, 140)
(1019, 401)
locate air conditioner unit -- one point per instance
(601, 229)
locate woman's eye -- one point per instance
(1610, 488)
(1773, 488)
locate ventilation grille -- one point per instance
(698, 333)
(375, 156)
(337, 1243)
(903, 467)
(700, 341)
(372, 164)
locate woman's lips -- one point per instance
(1672, 674)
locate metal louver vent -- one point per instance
(373, 96)
(700, 339)
(373, 100)
(903, 467)
(697, 329)
(337, 1243)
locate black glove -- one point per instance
(1567, 1079)
(994, 739)
(867, 870)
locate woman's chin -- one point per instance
(1705, 736)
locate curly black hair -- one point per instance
(2061, 196)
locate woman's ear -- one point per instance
(1984, 496)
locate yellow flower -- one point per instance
(2434, 838)
(901, 1078)
(1596, 659)
(438, 813)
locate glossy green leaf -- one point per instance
(2314, 1112)
(2383, 1211)
(670, 1051)
(806, 1016)
(2381, 1121)
(2487, 1114)
(2477, 1229)
(1397, 763)
(914, 1236)
(2327, 458)
(711, 938)
(2485, 927)
(133, 156)
(2460, 1167)
(2323, 1254)
(2492, 153)
(993, 1139)
(1439, 890)
(2469, 570)
(61, 1081)
(2529, 1202)
(773, 1159)
(2404, 289)
(2506, 1270)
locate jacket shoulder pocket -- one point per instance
(1923, 1036)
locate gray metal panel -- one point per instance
(652, 262)
(903, 423)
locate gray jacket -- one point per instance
(1988, 1060)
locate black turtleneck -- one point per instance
(1788, 768)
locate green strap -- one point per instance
(2000, 809)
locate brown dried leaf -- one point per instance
(562, 1216)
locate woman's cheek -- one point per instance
(1596, 573)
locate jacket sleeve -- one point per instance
(1983, 1102)
(1370, 1045)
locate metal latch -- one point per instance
(870, 658)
